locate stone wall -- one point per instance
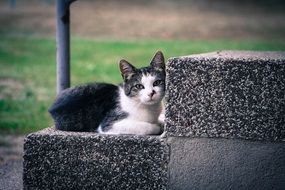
(225, 120)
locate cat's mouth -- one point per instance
(150, 101)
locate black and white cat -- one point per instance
(133, 107)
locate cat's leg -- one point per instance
(134, 127)
(161, 119)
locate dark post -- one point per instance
(12, 4)
(63, 44)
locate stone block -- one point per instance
(72, 160)
(230, 94)
(217, 163)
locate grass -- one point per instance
(28, 67)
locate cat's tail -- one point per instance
(82, 108)
(64, 113)
(67, 120)
(70, 110)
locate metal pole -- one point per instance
(63, 44)
(12, 4)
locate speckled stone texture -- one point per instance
(231, 94)
(71, 160)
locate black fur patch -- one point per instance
(83, 108)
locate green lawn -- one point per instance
(27, 70)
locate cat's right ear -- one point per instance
(127, 69)
(158, 61)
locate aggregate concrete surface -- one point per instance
(85, 160)
(230, 94)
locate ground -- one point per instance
(11, 152)
(141, 19)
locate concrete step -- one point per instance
(225, 129)
(231, 94)
(72, 160)
(225, 120)
(219, 163)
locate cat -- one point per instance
(133, 107)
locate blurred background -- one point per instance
(105, 31)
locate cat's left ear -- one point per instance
(158, 61)
(127, 69)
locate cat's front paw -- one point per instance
(161, 119)
(157, 129)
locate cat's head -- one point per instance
(145, 85)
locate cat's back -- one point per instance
(82, 108)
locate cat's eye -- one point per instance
(158, 82)
(139, 86)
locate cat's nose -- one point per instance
(152, 93)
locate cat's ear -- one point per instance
(127, 69)
(158, 61)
